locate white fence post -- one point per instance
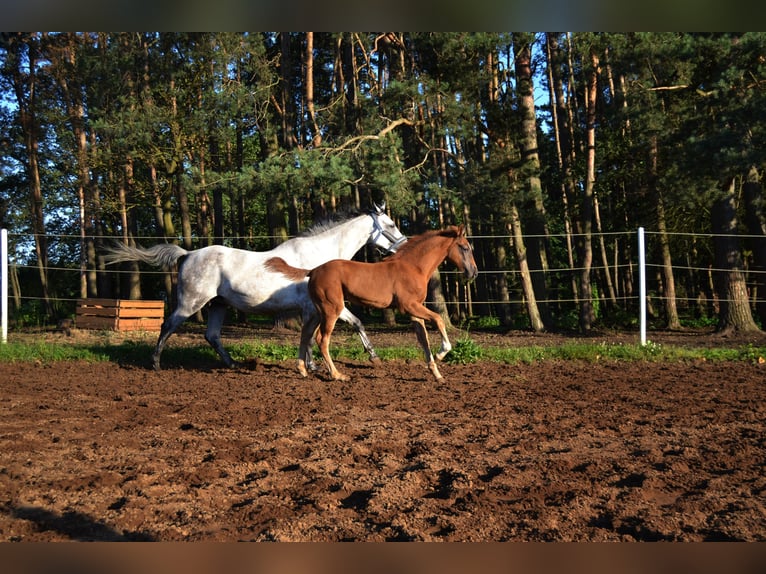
(4, 284)
(642, 284)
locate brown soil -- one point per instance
(546, 451)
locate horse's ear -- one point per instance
(379, 209)
(461, 230)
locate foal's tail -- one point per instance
(160, 255)
(279, 265)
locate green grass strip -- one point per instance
(465, 351)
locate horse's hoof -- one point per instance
(375, 360)
(435, 372)
(341, 377)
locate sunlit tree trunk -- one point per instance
(735, 312)
(25, 87)
(530, 300)
(131, 281)
(537, 305)
(564, 146)
(64, 62)
(316, 136)
(585, 223)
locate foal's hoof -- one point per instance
(435, 372)
(341, 377)
(375, 360)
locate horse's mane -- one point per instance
(415, 241)
(329, 223)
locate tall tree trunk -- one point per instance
(218, 217)
(64, 61)
(316, 136)
(534, 211)
(98, 282)
(175, 168)
(535, 320)
(131, 280)
(587, 312)
(668, 281)
(161, 232)
(564, 146)
(735, 312)
(183, 208)
(25, 87)
(755, 220)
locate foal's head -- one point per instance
(461, 254)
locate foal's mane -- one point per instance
(416, 241)
(329, 223)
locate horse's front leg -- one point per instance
(446, 345)
(424, 313)
(352, 319)
(420, 331)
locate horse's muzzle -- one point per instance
(470, 272)
(396, 243)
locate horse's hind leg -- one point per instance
(420, 331)
(352, 319)
(168, 328)
(215, 317)
(305, 358)
(323, 334)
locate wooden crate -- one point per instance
(119, 314)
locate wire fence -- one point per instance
(692, 255)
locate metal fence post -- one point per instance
(642, 284)
(4, 284)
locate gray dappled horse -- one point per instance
(218, 276)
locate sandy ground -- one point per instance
(551, 451)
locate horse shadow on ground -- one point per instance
(76, 526)
(197, 358)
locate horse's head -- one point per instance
(461, 255)
(385, 234)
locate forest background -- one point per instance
(552, 148)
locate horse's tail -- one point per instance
(160, 255)
(279, 265)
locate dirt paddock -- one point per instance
(551, 451)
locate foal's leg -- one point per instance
(421, 311)
(349, 317)
(215, 316)
(422, 335)
(326, 326)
